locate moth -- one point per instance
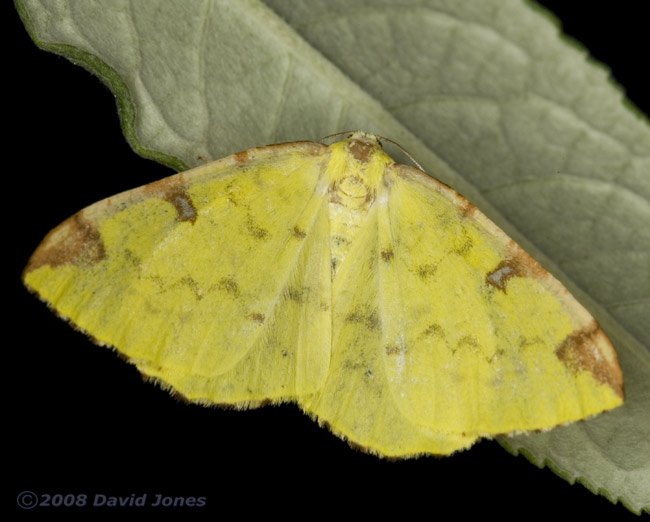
(378, 299)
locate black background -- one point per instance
(83, 421)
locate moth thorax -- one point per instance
(352, 192)
(350, 202)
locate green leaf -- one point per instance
(486, 95)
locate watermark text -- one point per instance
(31, 500)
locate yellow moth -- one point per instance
(378, 299)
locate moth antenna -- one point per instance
(322, 140)
(403, 150)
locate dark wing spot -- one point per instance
(425, 271)
(465, 342)
(468, 340)
(185, 210)
(387, 254)
(370, 320)
(354, 317)
(230, 193)
(434, 329)
(505, 270)
(257, 317)
(495, 356)
(340, 240)
(525, 342)
(158, 281)
(173, 191)
(465, 248)
(298, 233)
(229, 285)
(132, 258)
(75, 241)
(579, 352)
(294, 294)
(393, 349)
(193, 285)
(255, 230)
